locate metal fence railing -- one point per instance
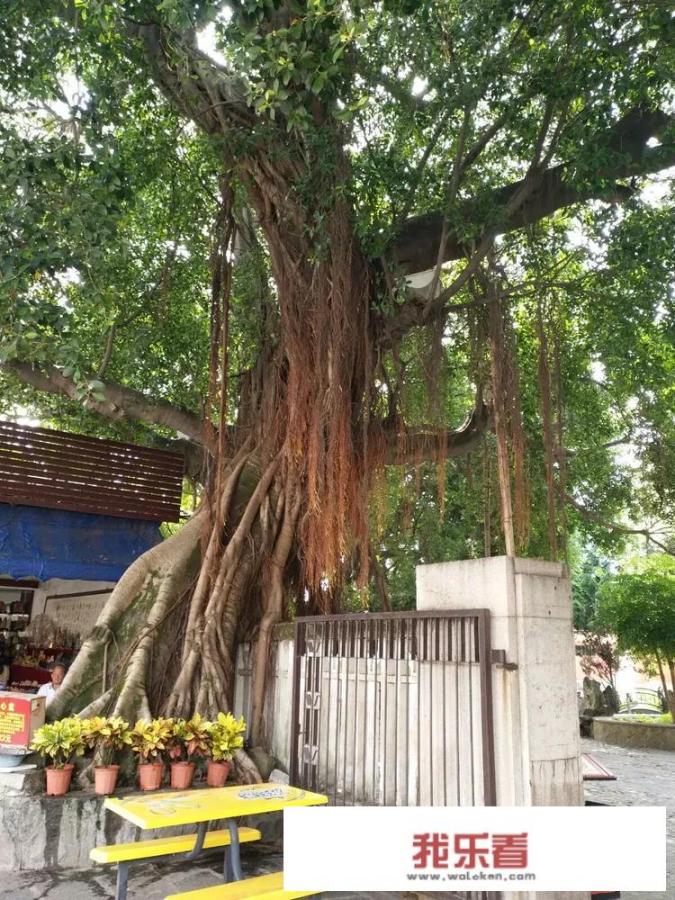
(394, 708)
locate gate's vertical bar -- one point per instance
(385, 742)
(328, 634)
(295, 706)
(308, 705)
(444, 672)
(316, 700)
(357, 657)
(487, 722)
(457, 658)
(397, 696)
(430, 627)
(310, 668)
(376, 640)
(340, 709)
(419, 709)
(346, 715)
(320, 699)
(365, 710)
(470, 625)
(407, 711)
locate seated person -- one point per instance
(49, 690)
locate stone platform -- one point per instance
(632, 734)
(40, 832)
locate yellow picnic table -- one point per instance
(200, 807)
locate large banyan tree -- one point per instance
(291, 237)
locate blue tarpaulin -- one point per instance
(53, 543)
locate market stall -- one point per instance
(31, 641)
(75, 512)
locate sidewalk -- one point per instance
(146, 883)
(644, 778)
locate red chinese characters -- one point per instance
(470, 851)
(431, 847)
(509, 851)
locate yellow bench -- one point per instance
(262, 887)
(184, 846)
(140, 850)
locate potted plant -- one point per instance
(148, 740)
(106, 737)
(189, 738)
(225, 735)
(59, 741)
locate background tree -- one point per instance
(590, 573)
(211, 214)
(599, 657)
(639, 607)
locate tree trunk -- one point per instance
(170, 630)
(662, 676)
(670, 695)
(138, 610)
(293, 490)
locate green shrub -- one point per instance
(150, 739)
(665, 719)
(106, 736)
(60, 741)
(226, 735)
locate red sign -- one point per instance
(20, 716)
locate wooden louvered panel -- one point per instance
(58, 470)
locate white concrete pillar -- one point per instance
(536, 728)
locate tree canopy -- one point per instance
(417, 257)
(638, 606)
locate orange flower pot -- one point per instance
(150, 776)
(182, 774)
(105, 779)
(216, 773)
(58, 780)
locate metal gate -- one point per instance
(394, 708)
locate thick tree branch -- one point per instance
(414, 311)
(107, 353)
(415, 249)
(428, 443)
(592, 516)
(571, 451)
(118, 402)
(198, 86)
(380, 581)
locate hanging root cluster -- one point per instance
(325, 373)
(551, 410)
(508, 420)
(286, 483)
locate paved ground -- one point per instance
(151, 883)
(645, 778)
